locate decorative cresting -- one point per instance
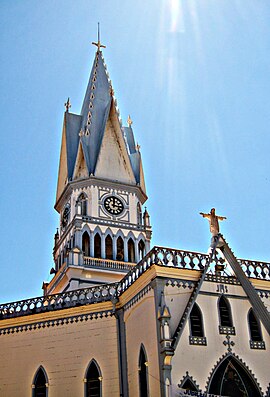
(160, 256)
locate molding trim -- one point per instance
(137, 297)
(56, 322)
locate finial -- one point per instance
(98, 44)
(213, 221)
(138, 147)
(67, 105)
(129, 121)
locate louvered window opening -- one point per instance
(196, 322)
(255, 332)
(225, 315)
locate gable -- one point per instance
(113, 159)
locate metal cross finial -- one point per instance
(98, 44)
(67, 105)
(138, 147)
(129, 121)
(228, 343)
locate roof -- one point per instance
(89, 129)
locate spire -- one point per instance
(94, 142)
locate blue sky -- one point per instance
(193, 75)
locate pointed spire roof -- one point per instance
(83, 137)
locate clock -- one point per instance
(65, 216)
(113, 205)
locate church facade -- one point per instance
(120, 318)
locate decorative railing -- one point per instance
(107, 264)
(110, 292)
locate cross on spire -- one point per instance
(98, 44)
(67, 105)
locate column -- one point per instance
(114, 247)
(103, 251)
(92, 245)
(137, 258)
(125, 250)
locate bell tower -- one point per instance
(103, 230)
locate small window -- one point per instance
(143, 373)
(93, 381)
(225, 312)
(196, 322)
(131, 250)
(40, 384)
(254, 327)
(141, 248)
(82, 203)
(120, 249)
(97, 245)
(109, 247)
(86, 244)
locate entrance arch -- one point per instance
(233, 379)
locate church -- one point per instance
(120, 317)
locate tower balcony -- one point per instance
(107, 264)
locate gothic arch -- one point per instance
(234, 361)
(109, 232)
(224, 312)
(131, 247)
(86, 243)
(143, 372)
(41, 381)
(95, 381)
(82, 200)
(255, 331)
(97, 242)
(120, 245)
(189, 378)
(196, 321)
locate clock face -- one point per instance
(65, 216)
(113, 205)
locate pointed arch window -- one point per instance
(143, 373)
(139, 214)
(225, 317)
(82, 204)
(93, 381)
(256, 340)
(86, 244)
(196, 326)
(40, 385)
(131, 250)
(120, 249)
(97, 245)
(141, 247)
(109, 247)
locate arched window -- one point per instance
(109, 247)
(86, 244)
(141, 247)
(82, 204)
(97, 245)
(254, 327)
(120, 249)
(131, 250)
(232, 378)
(93, 381)
(196, 322)
(224, 312)
(139, 214)
(143, 375)
(40, 385)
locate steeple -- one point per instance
(100, 190)
(86, 140)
